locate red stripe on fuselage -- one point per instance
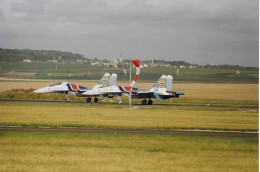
(74, 86)
(127, 88)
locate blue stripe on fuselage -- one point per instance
(69, 87)
(121, 88)
(80, 87)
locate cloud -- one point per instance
(199, 31)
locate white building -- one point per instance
(27, 61)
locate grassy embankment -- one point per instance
(120, 117)
(90, 152)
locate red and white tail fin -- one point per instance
(137, 66)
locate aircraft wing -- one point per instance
(176, 94)
(139, 93)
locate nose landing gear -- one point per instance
(67, 98)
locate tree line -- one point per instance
(38, 55)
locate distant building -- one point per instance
(160, 65)
(52, 61)
(145, 65)
(27, 61)
(106, 64)
(97, 63)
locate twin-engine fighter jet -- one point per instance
(104, 88)
(62, 88)
(66, 87)
(161, 90)
(111, 90)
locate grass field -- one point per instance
(107, 116)
(21, 151)
(90, 152)
(89, 72)
(196, 93)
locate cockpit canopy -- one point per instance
(55, 84)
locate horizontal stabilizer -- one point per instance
(180, 93)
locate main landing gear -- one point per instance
(144, 102)
(89, 100)
(95, 100)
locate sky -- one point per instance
(200, 32)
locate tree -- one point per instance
(119, 65)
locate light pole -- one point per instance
(130, 98)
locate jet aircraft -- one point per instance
(161, 90)
(104, 88)
(62, 88)
(111, 90)
(66, 87)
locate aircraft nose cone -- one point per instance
(40, 90)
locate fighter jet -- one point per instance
(104, 88)
(161, 90)
(111, 90)
(66, 87)
(62, 88)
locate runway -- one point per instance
(134, 105)
(209, 133)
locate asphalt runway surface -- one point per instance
(209, 133)
(135, 105)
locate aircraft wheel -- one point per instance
(88, 99)
(96, 100)
(144, 102)
(150, 102)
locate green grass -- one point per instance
(121, 117)
(96, 152)
(89, 72)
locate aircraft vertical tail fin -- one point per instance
(103, 82)
(161, 84)
(112, 80)
(169, 83)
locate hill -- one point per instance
(38, 55)
(52, 64)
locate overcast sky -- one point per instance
(196, 31)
